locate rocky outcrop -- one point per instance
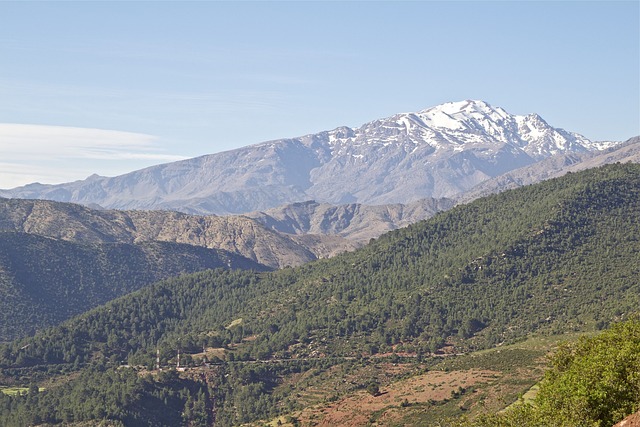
(631, 421)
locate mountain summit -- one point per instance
(438, 152)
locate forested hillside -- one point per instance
(45, 281)
(559, 256)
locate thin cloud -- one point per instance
(18, 174)
(54, 154)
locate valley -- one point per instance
(320, 213)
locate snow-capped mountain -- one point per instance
(438, 152)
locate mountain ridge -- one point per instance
(44, 281)
(308, 229)
(438, 152)
(555, 166)
(234, 234)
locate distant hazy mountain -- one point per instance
(555, 166)
(356, 222)
(439, 152)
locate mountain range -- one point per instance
(288, 235)
(239, 235)
(440, 152)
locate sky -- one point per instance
(109, 87)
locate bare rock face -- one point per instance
(440, 152)
(355, 222)
(236, 234)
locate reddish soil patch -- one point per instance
(356, 409)
(631, 421)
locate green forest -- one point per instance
(44, 281)
(556, 257)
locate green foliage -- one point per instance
(45, 281)
(518, 416)
(554, 257)
(594, 382)
(373, 388)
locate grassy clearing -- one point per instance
(527, 397)
(279, 422)
(531, 394)
(12, 391)
(236, 322)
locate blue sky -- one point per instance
(109, 87)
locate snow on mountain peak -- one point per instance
(438, 152)
(462, 115)
(460, 124)
(465, 108)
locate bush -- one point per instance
(593, 382)
(373, 389)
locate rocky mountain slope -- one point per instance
(555, 166)
(235, 234)
(439, 152)
(356, 222)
